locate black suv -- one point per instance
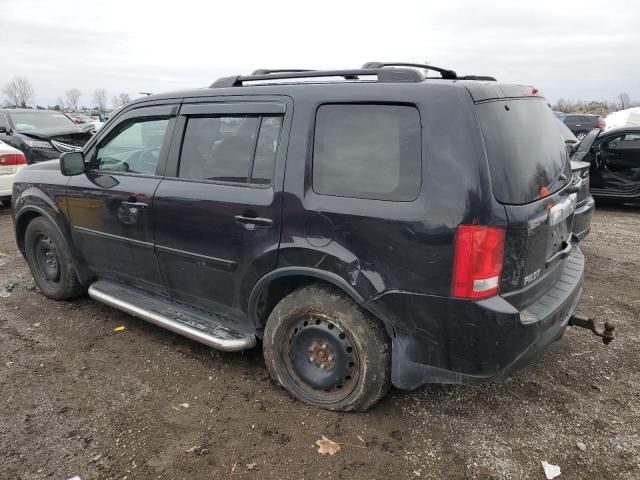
(582, 123)
(370, 226)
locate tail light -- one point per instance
(12, 159)
(600, 124)
(479, 251)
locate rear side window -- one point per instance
(367, 151)
(239, 149)
(527, 154)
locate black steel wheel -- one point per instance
(46, 259)
(326, 351)
(49, 261)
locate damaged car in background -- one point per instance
(585, 204)
(373, 227)
(614, 159)
(42, 134)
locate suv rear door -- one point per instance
(218, 211)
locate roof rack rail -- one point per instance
(384, 75)
(266, 71)
(446, 74)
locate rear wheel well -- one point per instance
(275, 291)
(280, 287)
(21, 227)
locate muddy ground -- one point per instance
(78, 398)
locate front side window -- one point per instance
(133, 147)
(367, 151)
(238, 149)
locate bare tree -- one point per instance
(73, 97)
(623, 101)
(120, 100)
(18, 92)
(100, 99)
(60, 103)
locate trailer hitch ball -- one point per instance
(605, 333)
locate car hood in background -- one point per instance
(75, 137)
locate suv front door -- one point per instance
(217, 212)
(110, 206)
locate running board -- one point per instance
(209, 329)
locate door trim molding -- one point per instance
(220, 263)
(111, 236)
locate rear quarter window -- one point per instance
(367, 151)
(526, 151)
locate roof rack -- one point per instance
(265, 71)
(446, 74)
(384, 75)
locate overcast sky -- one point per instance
(572, 49)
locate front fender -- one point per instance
(48, 201)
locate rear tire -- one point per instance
(50, 262)
(326, 351)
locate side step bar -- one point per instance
(213, 331)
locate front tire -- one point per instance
(50, 262)
(326, 351)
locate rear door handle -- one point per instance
(140, 205)
(267, 222)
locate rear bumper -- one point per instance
(582, 218)
(6, 184)
(444, 340)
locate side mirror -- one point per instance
(4, 129)
(72, 163)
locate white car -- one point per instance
(11, 160)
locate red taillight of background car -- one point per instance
(12, 159)
(600, 123)
(477, 267)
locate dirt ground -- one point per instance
(78, 398)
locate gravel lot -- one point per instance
(79, 398)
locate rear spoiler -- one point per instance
(483, 91)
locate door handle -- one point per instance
(140, 205)
(267, 222)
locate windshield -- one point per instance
(25, 121)
(526, 151)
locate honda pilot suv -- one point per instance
(370, 227)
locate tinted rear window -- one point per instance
(526, 150)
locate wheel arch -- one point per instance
(277, 284)
(22, 220)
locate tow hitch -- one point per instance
(605, 333)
